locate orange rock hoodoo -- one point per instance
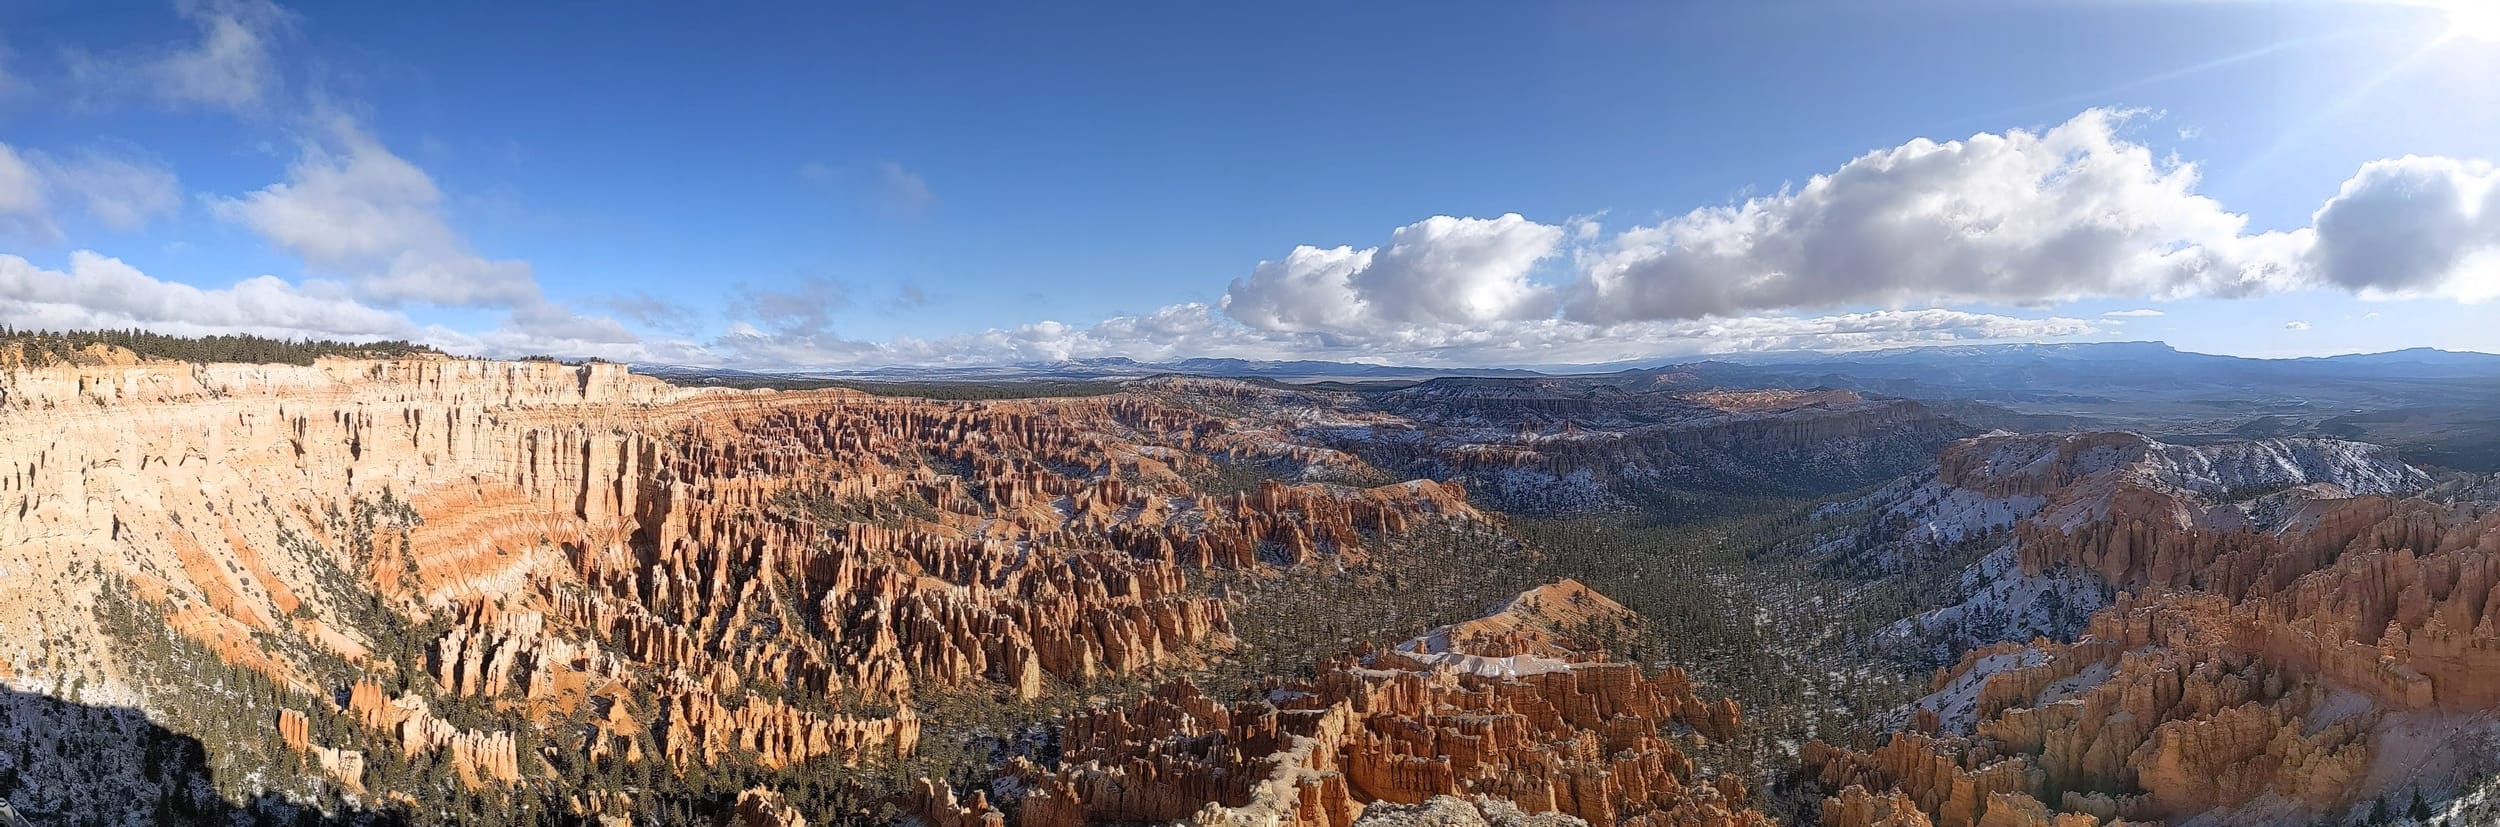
(1553, 732)
(2238, 662)
(592, 537)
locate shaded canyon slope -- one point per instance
(1550, 446)
(529, 576)
(2283, 631)
(430, 590)
(1517, 707)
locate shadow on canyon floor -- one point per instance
(56, 756)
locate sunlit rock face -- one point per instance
(527, 573)
(1503, 717)
(616, 569)
(2297, 626)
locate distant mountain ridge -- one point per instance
(1113, 367)
(1862, 364)
(2440, 406)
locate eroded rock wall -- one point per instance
(2281, 606)
(701, 575)
(1491, 710)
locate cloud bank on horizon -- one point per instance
(1887, 248)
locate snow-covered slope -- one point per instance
(2223, 469)
(2001, 603)
(1984, 486)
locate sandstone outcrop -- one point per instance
(1453, 811)
(479, 757)
(2267, 617)
(645, 572)
(1523, 721)
(759, 807)
(1855, 807)
(1554, 620)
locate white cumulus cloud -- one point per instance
(97, 291)
(2413, 226)
(1872, 254)
(1196, 330)
(351, 208)
(1437, 271)
(2020, 217)
(102, 292)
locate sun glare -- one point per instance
(2472, 19)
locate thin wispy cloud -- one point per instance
(122, 190)
(230, 64)
(904, 190)
(10, 84)
(118, 189)
(353, 209)
(908, 297)
(888, 185)
(804, 312)
(650, 311)
(376, 226)
(24, 214)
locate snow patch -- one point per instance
(1502, 667)
(2224, 468)
(1957, 704)
(2005, 604)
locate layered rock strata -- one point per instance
(1508, 716)
(2272, 630)
(648, 573)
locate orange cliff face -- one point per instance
(1492, 708)
(699, 574)
(2273, 655)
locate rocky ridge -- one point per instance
(528, 574)
(2289, 631)
(1569, 445)
(644, 572)
(1509, 708)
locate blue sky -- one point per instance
(810, 185)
